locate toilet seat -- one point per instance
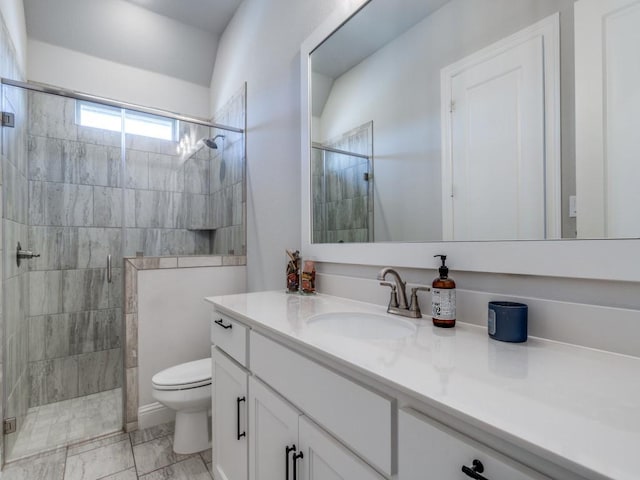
(184, 376)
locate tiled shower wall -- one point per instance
(228, 201)
(77, 183)
(167, 195)
(14, 338)
(75, 220)
(342, 198)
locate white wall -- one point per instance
(66, 68)
(261, 46)
(13, 15)
(173, 318)
(265, 53)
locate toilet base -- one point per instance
(191, 432)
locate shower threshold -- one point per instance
(59, 424)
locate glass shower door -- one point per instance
(62, 310)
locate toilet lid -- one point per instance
(191, 373)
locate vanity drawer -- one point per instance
(428, 449)
(356, 415)
(230, 336)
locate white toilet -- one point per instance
(186, 388)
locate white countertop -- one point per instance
(577, 407)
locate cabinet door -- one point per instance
(324, 458)
(429, 450)
(229, 418)
(273, 431)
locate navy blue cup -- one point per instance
(508, 321)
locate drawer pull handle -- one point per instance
(221, 323)
(475, 471)
(296, 456)
(239, 400)
(288, 450)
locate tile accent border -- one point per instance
(131, 267)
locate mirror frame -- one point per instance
(613, 259)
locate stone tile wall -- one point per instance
(228, 198)
(342, 199)
(75, 221)
(14, 188)
(84, 205)
(167, 195)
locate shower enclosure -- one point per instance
(342, 187)
(86, 183)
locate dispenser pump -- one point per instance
(443, 270)
(443, 297)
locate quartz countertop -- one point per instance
(574, 406)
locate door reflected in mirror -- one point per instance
(489, 120)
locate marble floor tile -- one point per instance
(155, 454)
(93, 444)
(151, 433)
(71, 421)
(124, 475)
(206, 455)
(100, 462)
(50, 467)
(191, 469)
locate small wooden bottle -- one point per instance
(443, 297)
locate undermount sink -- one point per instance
(361, 325)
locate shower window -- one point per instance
(94, 115)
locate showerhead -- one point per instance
(211, 142)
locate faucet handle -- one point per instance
(413, 304)
(418, 289)
(393, 300)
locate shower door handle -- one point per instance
(109, 269)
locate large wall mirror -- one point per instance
(436, 121)
(454, 120)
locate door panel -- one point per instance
(607, 146)
(274, 426)
(501, 139)
(229, 418)
(326, 459)
(498, 147)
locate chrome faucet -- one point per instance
(398, 300)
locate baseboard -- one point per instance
(154, 414)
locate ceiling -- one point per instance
(171, 37)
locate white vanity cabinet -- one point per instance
(429, 450)
(285, 444)
(358, 416)
(229, 397)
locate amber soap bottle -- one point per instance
(443, 297)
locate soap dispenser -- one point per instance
(443, 297)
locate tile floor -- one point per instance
(140, 455)
(58, 424)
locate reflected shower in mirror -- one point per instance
(492, 121)
(342, 192)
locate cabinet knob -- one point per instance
(475, 470)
